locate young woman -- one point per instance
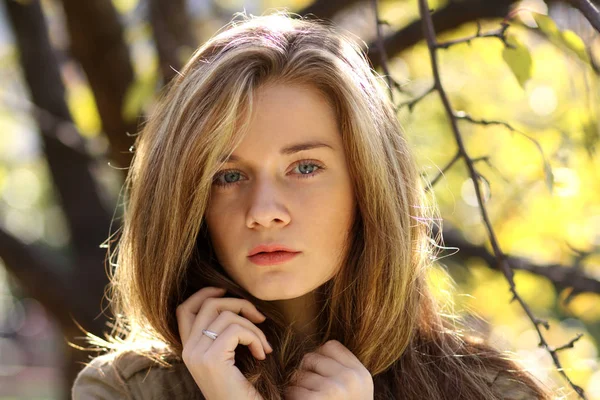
(276, 239)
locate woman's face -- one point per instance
(299, 199)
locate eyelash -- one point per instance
(301, 176)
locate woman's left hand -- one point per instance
(331, 372)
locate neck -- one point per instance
(300, 313)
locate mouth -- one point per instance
(272, 257)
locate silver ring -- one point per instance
(210, 334)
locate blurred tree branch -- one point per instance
(561, 276)
(500, 33)
(326, 9)
(69, 167)
(27, 265)
(97, 43)
(501, 259)
(589, 10)
(448, 17)
(172, 34)
(79, 290)
(454, 14)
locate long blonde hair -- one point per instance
(379, 305)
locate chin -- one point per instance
(269, 294)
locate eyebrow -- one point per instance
(288, 150)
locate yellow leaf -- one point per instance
(585, 307)
(546, 25)
(125, 6)
(138, 95)
(566, 38)
(575, 43)
(518, 59)
(84, 111)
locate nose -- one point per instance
(267, 207)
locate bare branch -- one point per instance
(53, 125)
(499, 33)
(172, 33)
(97, 43)
(326, 9)
(443, 171)
(446, 18)
(571, 343)
(546, 163)
(589, 10)
(72, 175)
(28, 264)
(382, 53)
(501, 259)
(449, 17)
(414, 101)
(562, 277)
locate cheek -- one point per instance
(345, 209)
(219, 210)
(328, 214)
(217, 222)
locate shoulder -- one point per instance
(130, 375)
(106, 376)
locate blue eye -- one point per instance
(307, 169)
(231, 175)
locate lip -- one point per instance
(269, 248)
(272, 258)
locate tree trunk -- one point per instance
(74, 295)
(97, 44)
(171, 28)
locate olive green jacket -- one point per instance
(135, 377)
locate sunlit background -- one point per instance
(541, 175)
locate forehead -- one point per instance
(291, 149)
(287, 117)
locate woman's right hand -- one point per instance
(211, 362)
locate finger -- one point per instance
(223, 347)
(213, 307)
(310, 380)
(299, 393)
(225, 319)
(336, 350)
(322, 365)
(186, 312)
